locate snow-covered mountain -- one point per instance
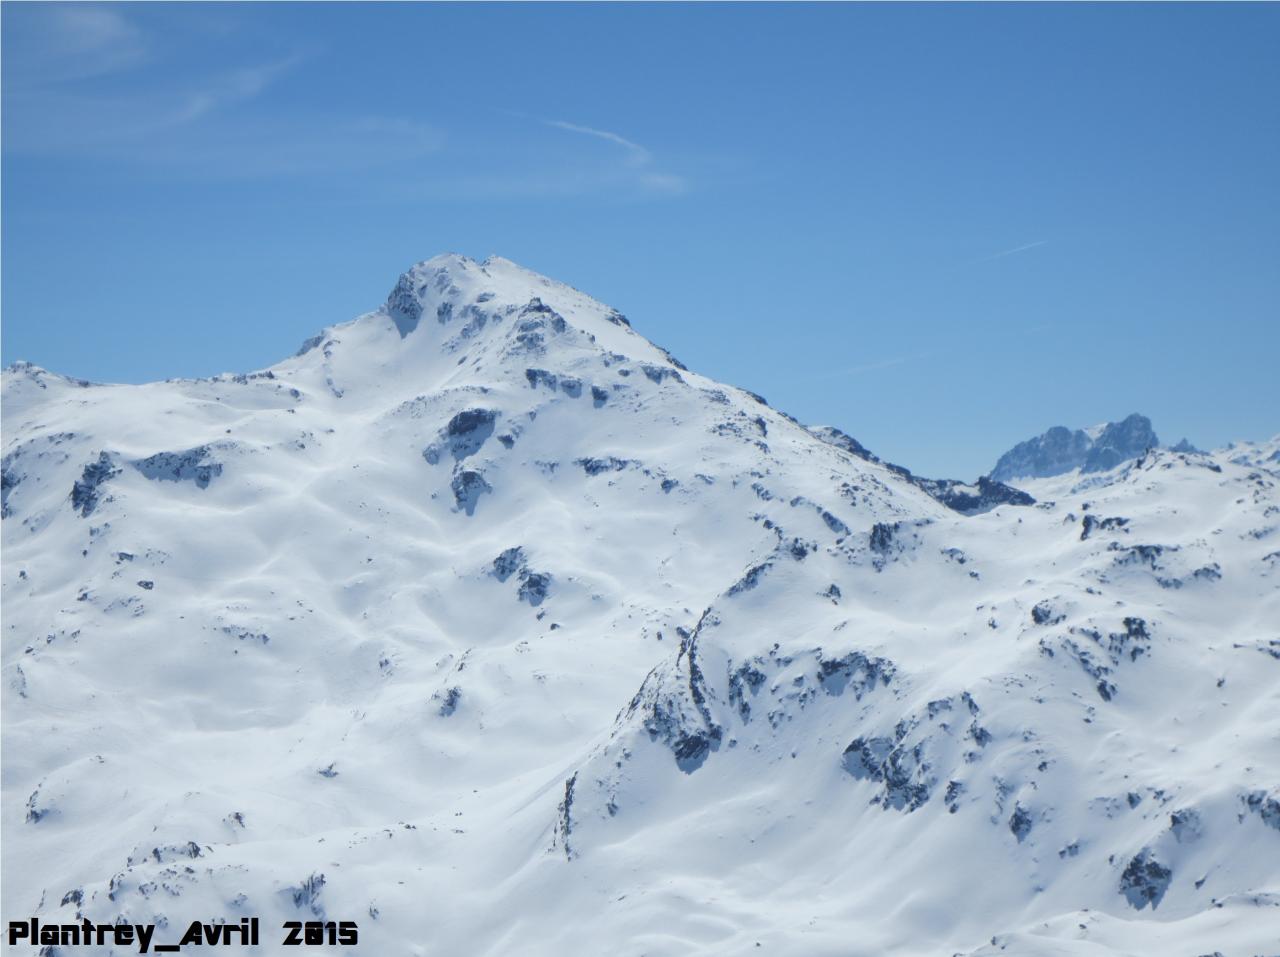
(486, 624)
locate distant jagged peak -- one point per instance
(1061, 450)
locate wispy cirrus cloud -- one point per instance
(876, 365)
(51, 43)
(124, 85)
(63, 118)
(1011, 252)
(151, 125)
(121, 103)
(638, 153)
(232, 87)
(53, 51)
(639, 160)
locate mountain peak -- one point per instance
(454, 322)
(450, 285)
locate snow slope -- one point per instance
(484, 623)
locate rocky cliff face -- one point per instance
(1057, 451)
(1120, 442)
(485, 623)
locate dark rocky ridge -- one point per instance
(982, 496)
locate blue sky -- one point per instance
(942, 228)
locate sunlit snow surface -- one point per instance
(528, 641)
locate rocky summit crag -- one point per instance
(485, 623)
